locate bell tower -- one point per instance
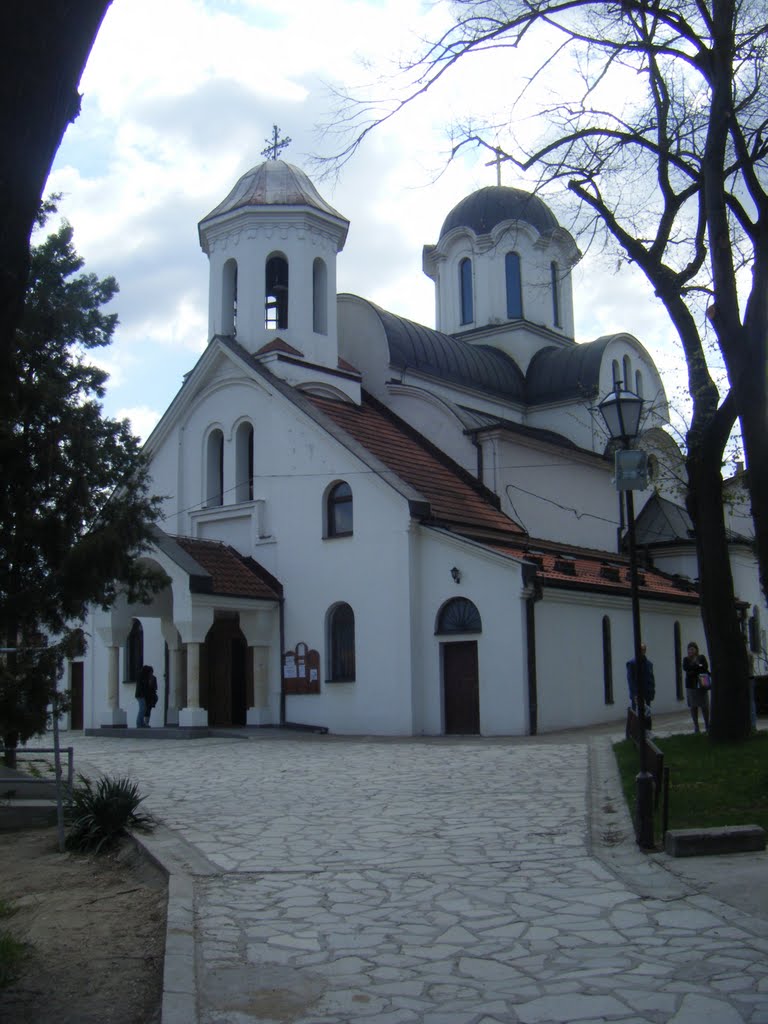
(272, 247)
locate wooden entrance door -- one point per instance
(461, 688)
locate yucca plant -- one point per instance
(99, 814)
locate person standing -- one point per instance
(646, 675)
(151, 691)
(697, 696)
(144, 695)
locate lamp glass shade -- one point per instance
(621, 411)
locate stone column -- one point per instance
(259, 713)
(193, 715)
(113, 716)
(176, 669)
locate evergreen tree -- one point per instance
(75, 507)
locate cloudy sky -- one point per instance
(179, 99)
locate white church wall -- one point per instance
(494, 585)
(436, 421)
(570, 671)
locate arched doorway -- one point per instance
(224, 676)
(461, 682)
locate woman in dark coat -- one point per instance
(697, 696)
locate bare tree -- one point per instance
(662, 139)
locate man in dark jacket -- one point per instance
(647, 677)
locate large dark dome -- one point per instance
(489, 206)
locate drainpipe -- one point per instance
(282, 648)
(533, 593)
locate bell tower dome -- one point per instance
(502, 272)
(272, 247)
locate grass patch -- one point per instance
(710, 784)
(11, 951)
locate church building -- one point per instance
(376, 527)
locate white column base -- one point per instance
(193, 718)
(259, 716)
(114, 717)
(172, 716)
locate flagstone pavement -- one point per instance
(326, 880)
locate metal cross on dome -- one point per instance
(275, 145)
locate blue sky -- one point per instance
(179, 97)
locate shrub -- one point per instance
(98, 815)
(11, 951)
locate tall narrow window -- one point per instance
(638, 383)
(276, 294)
(627, 365)
(134, 652)
(244, 462)
(341, 641)
(615, 372)
(319, 297)
(465, 289)
(607, 661)
(554, 271)
(514, 286)
(229, 299)
(339, 510)
(678, 662)
(214, 469)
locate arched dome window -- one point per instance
(627, 373)
(341, 643)
(615, 373)
(514, 286)
(229, 299)
(459, 615)
(638, 383)
(465, 291)
(276, 294)
(556, 312)
(319, 297)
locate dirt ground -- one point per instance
(95, 929)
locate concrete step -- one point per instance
(703, 842)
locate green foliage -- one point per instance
(711, 784)
(75, 507)
(98, 815)
(11, 951)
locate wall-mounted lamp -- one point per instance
(456, 575)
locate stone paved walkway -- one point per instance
(327, 881)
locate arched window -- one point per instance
(229, 299)
(615, 373)
(341, 643)
(459, 615)
(554, 271)
(607, 661)
(319, 297)
(627, 366)
(244, 463)
(214, 469)
(678, 661)
(134, 652)
(514, 286)
(276, 294)
(465, 291)
(638, 383)
(339, 511)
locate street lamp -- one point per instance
(621, 411)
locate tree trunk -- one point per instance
(47, 45)
(10, 742)
(730, 718)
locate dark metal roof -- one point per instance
(483, 210)
(663, 522)
(274, 183)
(555, 374)
(415, 347)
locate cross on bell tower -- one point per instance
(275, 145)
(497, 160)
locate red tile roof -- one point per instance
(232, 574)
(456, 499)
(575, 568)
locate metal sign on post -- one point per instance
(631, 469)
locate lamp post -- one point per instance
(621, 411)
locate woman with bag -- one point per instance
(696, 669)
